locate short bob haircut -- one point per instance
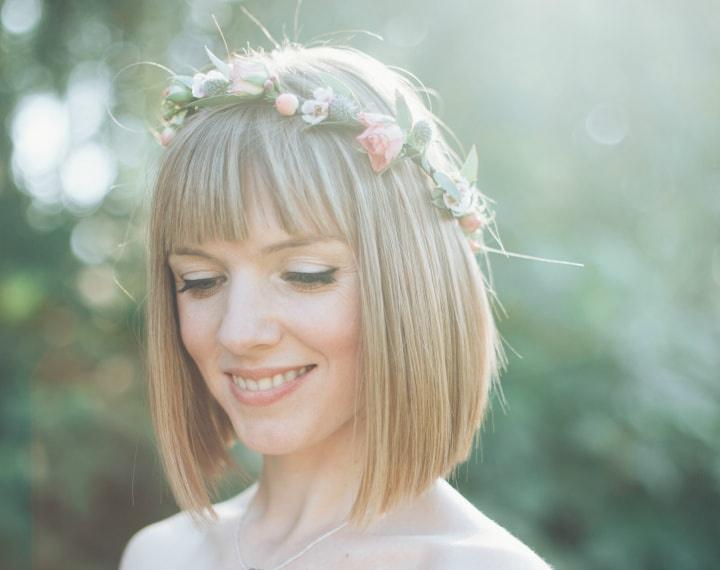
(429, 350)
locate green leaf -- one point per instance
(338, 86)
(446, 184)
(404, 116)
(470, 167)
(219, 64)
(439, 203)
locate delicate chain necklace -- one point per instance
(289, 560)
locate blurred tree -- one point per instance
(597, 130)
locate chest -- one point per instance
(405, 553)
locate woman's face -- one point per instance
(264, 310)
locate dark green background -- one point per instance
(597, 125)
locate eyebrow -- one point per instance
(268, 249)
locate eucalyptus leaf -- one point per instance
(404, 116)
(438, 201)
(219, 64)
(470, 167)
(446, 184)
(338, 86)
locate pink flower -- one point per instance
(372, 119)
(383, 139)
(166, 136)
(471, 222)
(286, 104)
(247, 77)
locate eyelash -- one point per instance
(305, 281)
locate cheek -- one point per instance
(331, 324)
(197, 325)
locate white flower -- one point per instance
(468, 201)
(248, 77)
(316, 110)
(323, 94)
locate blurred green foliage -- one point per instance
(597, 128)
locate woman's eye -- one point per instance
(304, 280)
(199, 287)
(310, 280)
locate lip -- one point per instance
(268, 397)
(258, 373)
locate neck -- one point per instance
(310, 490)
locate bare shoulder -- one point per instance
(466, 538)
(476, 552)
(178, 542)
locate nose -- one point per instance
(248, 323)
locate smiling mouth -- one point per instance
(271, 382)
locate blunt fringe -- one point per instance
(430, 350)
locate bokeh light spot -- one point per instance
(87, 175)
(20, 16)
(606, 124)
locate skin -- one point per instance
(255, 314)
(252, 314)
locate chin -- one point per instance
(269, 439)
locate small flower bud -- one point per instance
(286, 104)
(476, 246)
(168, 109)
(178, 94)
(166, 136)
(470, 222)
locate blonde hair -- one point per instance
(430, 350)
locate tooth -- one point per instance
(252, 386)
(289, 375)
(243, 383)
(264, 384)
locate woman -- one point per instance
(313, 294)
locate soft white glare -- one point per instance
(126, 141)
(87, 174)
(201, 12)
(94, 239)
(183, 55)
(407, 30)
(87, 96)
(20, 16)
(606, 124)
(40, 132)
(93, 38)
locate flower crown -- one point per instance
(384, 138)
